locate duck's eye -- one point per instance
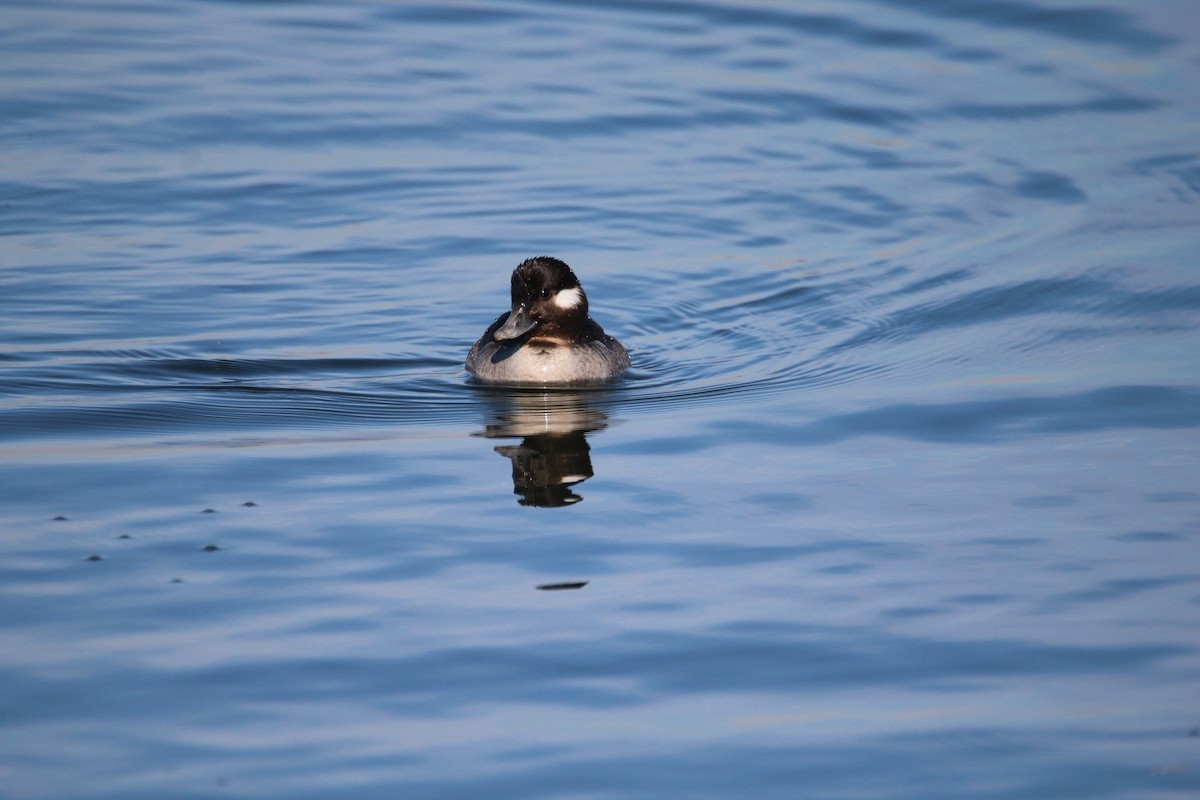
(545, 294)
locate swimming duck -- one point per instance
(547, 337)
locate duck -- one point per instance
(547, 337)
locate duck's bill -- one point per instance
(518, 323)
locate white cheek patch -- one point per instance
(568, 298)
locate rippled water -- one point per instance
(900, 500)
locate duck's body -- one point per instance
(547, 337)
(529, 360)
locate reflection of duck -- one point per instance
(553, 455)
(547, 337)
(545, 468)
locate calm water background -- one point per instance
(901, 500)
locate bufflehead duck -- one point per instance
(547, 337)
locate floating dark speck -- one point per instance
(249, 504)
(94, 557)
(559, 587)
(208, 511)
(210, 548)
(124, 536)
(60, 518)
(176, 580)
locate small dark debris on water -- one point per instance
(124, 536)
(210, 548)
(561, 587)
(1194, 733)
(208, 511)
(176, 580)
(94, 557)
(60, 518)
(249, 504)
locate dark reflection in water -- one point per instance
(553, 456)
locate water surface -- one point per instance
(900, 499)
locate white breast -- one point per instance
(584, 363)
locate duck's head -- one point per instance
(546, 296)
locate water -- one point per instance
(900, 499)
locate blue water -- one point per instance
(901, 498)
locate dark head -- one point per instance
(545, 295)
